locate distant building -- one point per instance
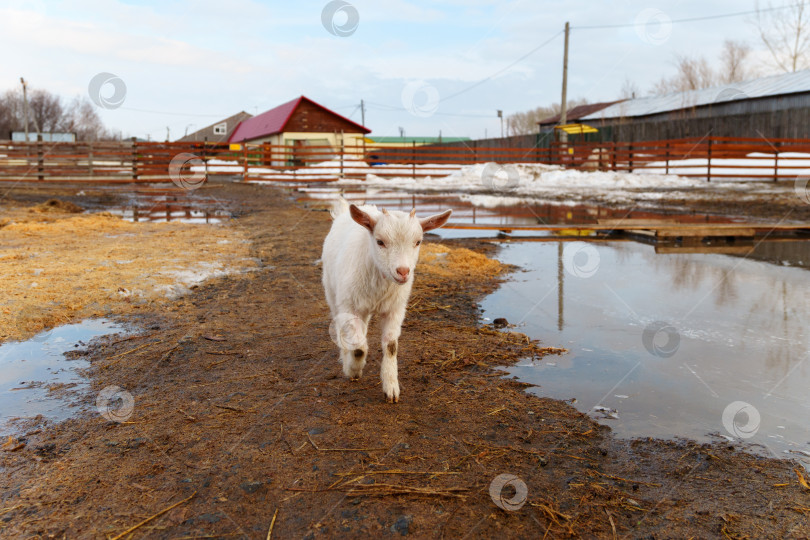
(383, 142)
(298, 123)
(576, 113)
(46, 136)
(217, 132)
(771, 107)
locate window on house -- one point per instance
(221, 129)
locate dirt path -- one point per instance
(241, 422)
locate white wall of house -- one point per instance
(289, 138)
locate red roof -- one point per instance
(273, 121)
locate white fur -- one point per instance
(361, 279)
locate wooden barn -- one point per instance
(300, 123)
(774, 107)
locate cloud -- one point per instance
(201, 57)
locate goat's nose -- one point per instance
(403, 271)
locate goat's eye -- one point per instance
(418, 243)
(380, 243)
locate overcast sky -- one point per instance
(189, 63)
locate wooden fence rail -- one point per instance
(710, 158)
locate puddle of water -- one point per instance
(737, 311)
(29, 368)
(163, 205)
(516, 213)
(679, 345)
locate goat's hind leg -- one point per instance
(354, 360)
(353, 346)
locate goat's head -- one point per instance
(395, 238)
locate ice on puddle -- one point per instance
(607, 412)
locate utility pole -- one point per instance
(564, 104)
(25, 108)
(362, 113)
(500, 115)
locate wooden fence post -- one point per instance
(666, 157)
(709, 160)
(630, 156)
(613, 156)
(776, 163)
(413, 160)
(90, 159)
(244, 161)
(205, 161)
(134, 157)
(40, 159)
(342, 154)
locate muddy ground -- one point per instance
(242, 426)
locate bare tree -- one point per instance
(629, 90)
(693, 74)
(11, 112)
(47, 113)
(523, 123)
(785, 32)
(733, 62)
(82, 119)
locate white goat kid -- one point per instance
(368, 264)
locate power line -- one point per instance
(478, 83)
(356, 108)
(172, 113)
(467, 115)
(485, 79)
(392, 108)
(688, 19)
(383, 106)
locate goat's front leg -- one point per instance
(391, 328)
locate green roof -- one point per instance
(417, 139)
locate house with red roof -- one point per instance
(299, 123)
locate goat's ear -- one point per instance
(434, 222)
(362, 218)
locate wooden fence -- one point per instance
(711, 158)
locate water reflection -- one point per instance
(31, 371)
(494, 210)
(161, 205)
(165, 212)
(742, 325)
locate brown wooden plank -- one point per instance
(636, 222)
(730, 250)
(706, 231)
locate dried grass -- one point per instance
(442, 261)
(59, 268)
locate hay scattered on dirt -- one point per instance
(73, 267)
(442, 261)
